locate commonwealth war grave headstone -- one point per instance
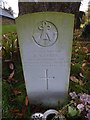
(45, 40)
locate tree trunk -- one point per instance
(31, 7)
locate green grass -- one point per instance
(8, 28)
(0, 29)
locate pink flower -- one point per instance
(85, 98)
(88, 99)
(73, 95)
(80, 107)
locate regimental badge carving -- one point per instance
(45, 34)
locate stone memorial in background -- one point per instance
(45, 40)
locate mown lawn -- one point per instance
(8, 28)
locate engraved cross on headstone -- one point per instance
(44, 28)
(47, 78)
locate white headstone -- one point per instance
(45, 40)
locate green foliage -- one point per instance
(10, 45)
(72, 111)
(79, 77)
(87, 86)
(5, 99)
(75, 69)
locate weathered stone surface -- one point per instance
(45, 40)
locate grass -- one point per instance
(0, 29)
(8, 28)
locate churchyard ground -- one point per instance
(14, 97)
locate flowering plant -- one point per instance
(80, 105)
